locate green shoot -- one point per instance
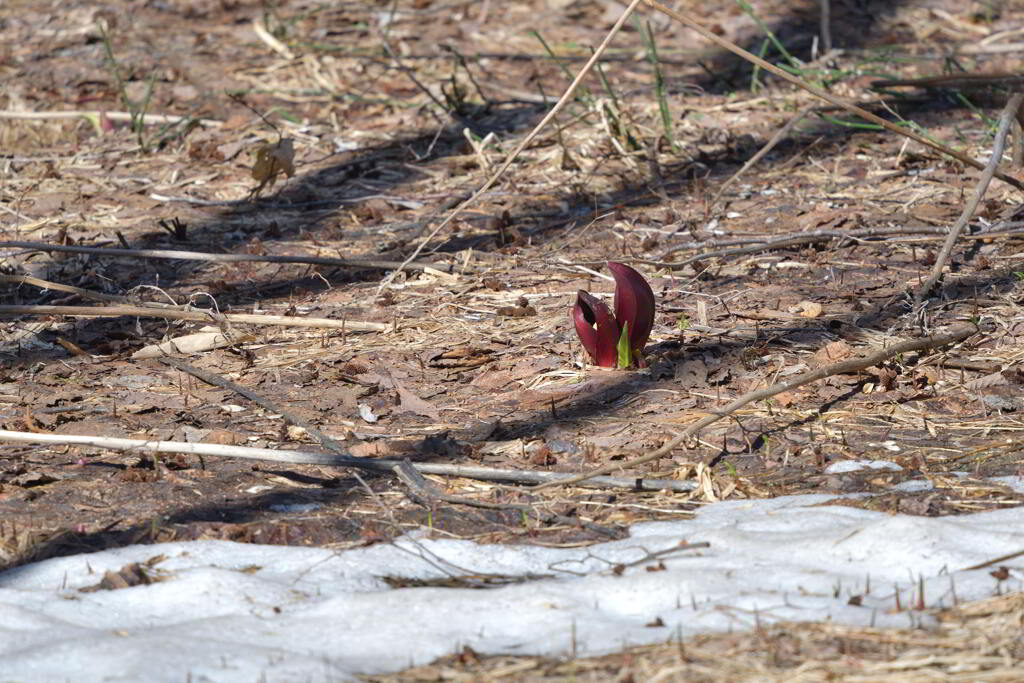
(625, 357)
(605, 84)
(749, 11)
(583, 92)
(136, 110)
(659, 82)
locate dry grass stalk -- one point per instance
(146, 119)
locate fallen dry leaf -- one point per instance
(809, 309)
(786, 398)
(272, 160)
(830, 353)
(692, 374)
(414, 403)
(187, 344)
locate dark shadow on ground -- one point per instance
(283, 516)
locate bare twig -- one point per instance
(333, 460)
(766, 245)
(827, 96)
(59, 287)
(825, 235)
(826, 26)
(563, 100)
(222, 258)
(194, 315)
(426, 493)
(989, 563)
(1017, 138)
(648, 557)
(755, 245)
(844, 367)
(1005, 119)
(273, 43)
(145, 119)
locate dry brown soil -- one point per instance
(396, 111)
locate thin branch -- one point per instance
(844, 367)
(222, 258)
(426, 493)
(1005, 119)
(989, 563)
(1017, 137)
(824, 234)
(827, 96)
(826, 26)
(195, 315)
(766, 245)
(813, 237)
(146, 119)
(59, 287)
(273, 43)
(332, 460)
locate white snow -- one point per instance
(844, 466)
(229, 612)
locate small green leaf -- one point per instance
(94, 119)
(623, 347)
